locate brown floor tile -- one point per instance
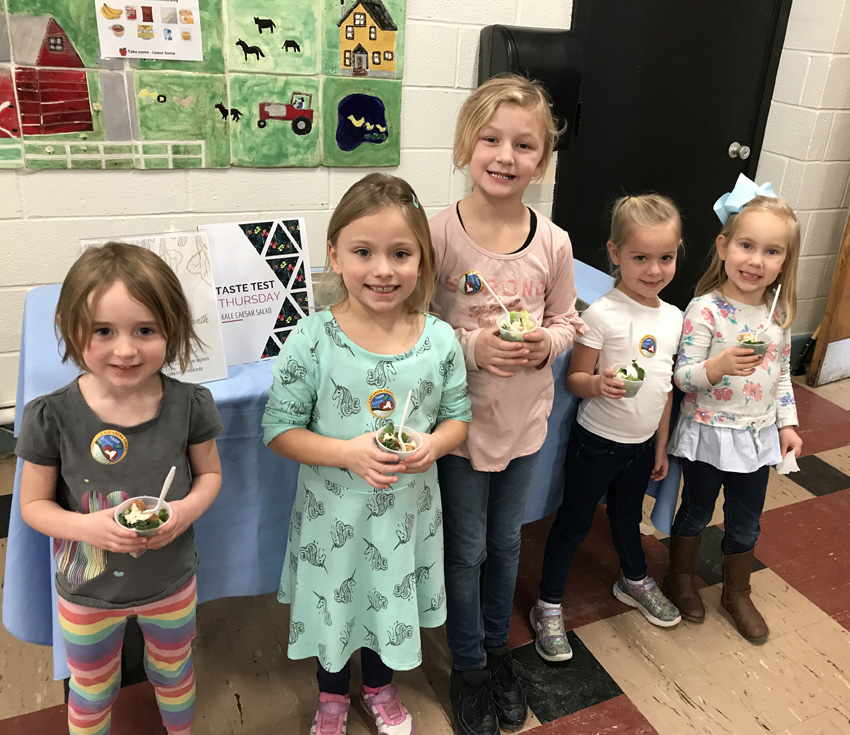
(7, 474)
(777, 691)
(823, 424)
(824, 649)
(804, 528)
(614, 717)
(837, 392)
(26, 671)
(832, 722)
(694, 703)
(134, 713)
(838, 458)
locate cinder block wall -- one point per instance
(44, 214)
(806, 152)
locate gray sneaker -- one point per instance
(650, 600)
(550, 638)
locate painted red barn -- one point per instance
(50, 100)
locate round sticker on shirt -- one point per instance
(648, 346)
(109, 447)
(470, 283)
(382, 404)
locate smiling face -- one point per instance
(647, 260)
(127, 346)
(379, 259)
(508, 153)
(753, 255)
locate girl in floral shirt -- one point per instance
(738, 416)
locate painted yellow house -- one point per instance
(367, 36)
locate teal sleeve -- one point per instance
(292, 395)
(454, 403)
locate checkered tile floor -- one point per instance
(626, 676)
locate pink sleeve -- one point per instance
(560, 318)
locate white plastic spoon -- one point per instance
(165, 486)
(770, 313)
(403, 417)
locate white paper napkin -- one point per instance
(788, 464)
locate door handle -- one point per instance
(736, 150)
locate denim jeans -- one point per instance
(743, 502)
(482, 517)
(596, 465)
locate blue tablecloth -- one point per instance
(241, 539)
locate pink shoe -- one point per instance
(331, 716)
(384, 705)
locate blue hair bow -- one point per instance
(745, 190)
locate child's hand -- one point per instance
(609, 385)
(539, 344)
(422, 458)
(100, 530)
(789, 439)
(740, 361)
(492, 353)
(662, 464)
(365, 459)
(175, 527)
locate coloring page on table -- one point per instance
(155, 29)
(188, 255)
(262, 275)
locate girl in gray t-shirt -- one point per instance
(111, 434)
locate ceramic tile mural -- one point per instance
(294, 83)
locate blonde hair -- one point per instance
(369, 195)
(148, 280)
(481, 105)
(715, 276)
(646, 210)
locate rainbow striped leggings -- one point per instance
(93, 640)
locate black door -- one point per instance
(667, 87)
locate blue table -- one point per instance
(241, 539)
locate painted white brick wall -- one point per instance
(44, 214)
(806, 152)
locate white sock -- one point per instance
(548, 605)
(633, 584)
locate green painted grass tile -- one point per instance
(149, 149)
(156, 163)
(86, 163)
(187, 150)
(46, 163)
(122, 163)
(188, 163)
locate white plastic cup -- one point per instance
(630, 386)
(413, 435)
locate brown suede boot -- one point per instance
(736, 597)
(680, 580)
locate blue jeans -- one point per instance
(743, 502)
(595, 466)
(482, 518)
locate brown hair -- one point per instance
(148, 279)
(481, 105)
(646, 210)
(369, 195)
(716, 276)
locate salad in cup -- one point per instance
(632, 376)
(388, 440)
(138, 514)
(514, 328)
(751, 340)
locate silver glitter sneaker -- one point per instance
(650, 600)
(550, 638)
